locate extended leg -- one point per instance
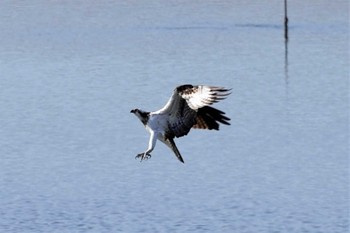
(151, 144)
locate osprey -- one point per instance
(187, 108)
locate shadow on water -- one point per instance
(217, 27)
(186, 28)
(258, 25)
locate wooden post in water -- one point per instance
(286, 46)
(285, 21)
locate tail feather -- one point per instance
(170, 142)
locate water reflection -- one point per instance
(286, 75)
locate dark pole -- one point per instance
(285, 21)
(286, 45)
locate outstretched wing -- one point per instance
(187, 107)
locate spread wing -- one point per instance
(189, 107)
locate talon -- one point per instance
(147, 156)
(139, 155)
(143, 156)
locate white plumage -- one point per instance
(187, 108)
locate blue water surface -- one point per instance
(71, 71)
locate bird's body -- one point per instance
(187, 108)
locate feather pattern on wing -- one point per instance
(207, 118)
(200, 96)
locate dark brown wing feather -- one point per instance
(208, 118)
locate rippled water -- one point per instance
(71, 72)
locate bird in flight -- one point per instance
(187, 108)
